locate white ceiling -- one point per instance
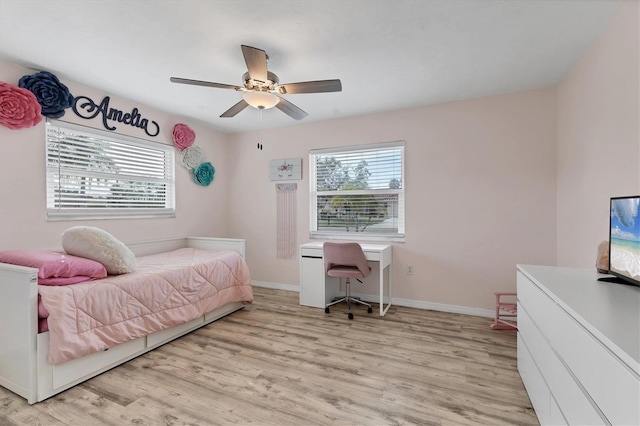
(389, 54)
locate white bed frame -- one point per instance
(24, 368)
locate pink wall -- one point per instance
(480, 193)
(598, 137)
(23, 222)
(518, 178)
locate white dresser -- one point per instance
(579, 346)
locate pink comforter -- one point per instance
(165, 290)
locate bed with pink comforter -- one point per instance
(165, 290)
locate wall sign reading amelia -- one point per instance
(86, 108)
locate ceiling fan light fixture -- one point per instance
(261, 88)
(260, 100)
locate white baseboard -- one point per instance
(455, 309)
(276, 286)
(409, 303)
(419, 304)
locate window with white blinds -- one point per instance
(93, 174)
(358, 192)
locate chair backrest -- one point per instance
(345, 254)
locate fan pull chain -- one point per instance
(260, 129)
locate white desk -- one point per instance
(317, 289)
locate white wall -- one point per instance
(598, 137)
(23, 222)
(480, 193)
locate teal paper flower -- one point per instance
(203, 174)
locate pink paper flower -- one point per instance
(183, 136)
(19, 108)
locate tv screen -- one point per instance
(624, 239)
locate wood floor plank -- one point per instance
(278, 363)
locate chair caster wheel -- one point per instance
(350, 315)
(326, 310)
(370, 311)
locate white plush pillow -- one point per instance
(96, 244)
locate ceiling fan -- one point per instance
(262, 88)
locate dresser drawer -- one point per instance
(563, 387)
(613, 386)
(607, 380)
(537, 389)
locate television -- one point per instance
(624, 240)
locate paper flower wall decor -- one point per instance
(203, 174)
(53, 96)
(19, 108)
(192, 157)
(183, 136)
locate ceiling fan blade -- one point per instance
(231, 112)
(311, 87)
(203, 83)
(290, 109)
(256, 60)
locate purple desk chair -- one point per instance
(346, 260)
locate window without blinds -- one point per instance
(358, 192)
(95, 174)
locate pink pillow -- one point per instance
(52, 264)
(42, 311)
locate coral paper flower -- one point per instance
(183, 136)
(203, 174)
(19, 108)
(53, 96)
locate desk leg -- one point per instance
(383, 309)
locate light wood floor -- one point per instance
(278, 363)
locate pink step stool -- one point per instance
(506, 312)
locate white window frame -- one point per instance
(147, 163)
(314, 233)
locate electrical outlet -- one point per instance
(409, 270)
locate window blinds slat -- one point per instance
(114, 178)
(358, 190)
